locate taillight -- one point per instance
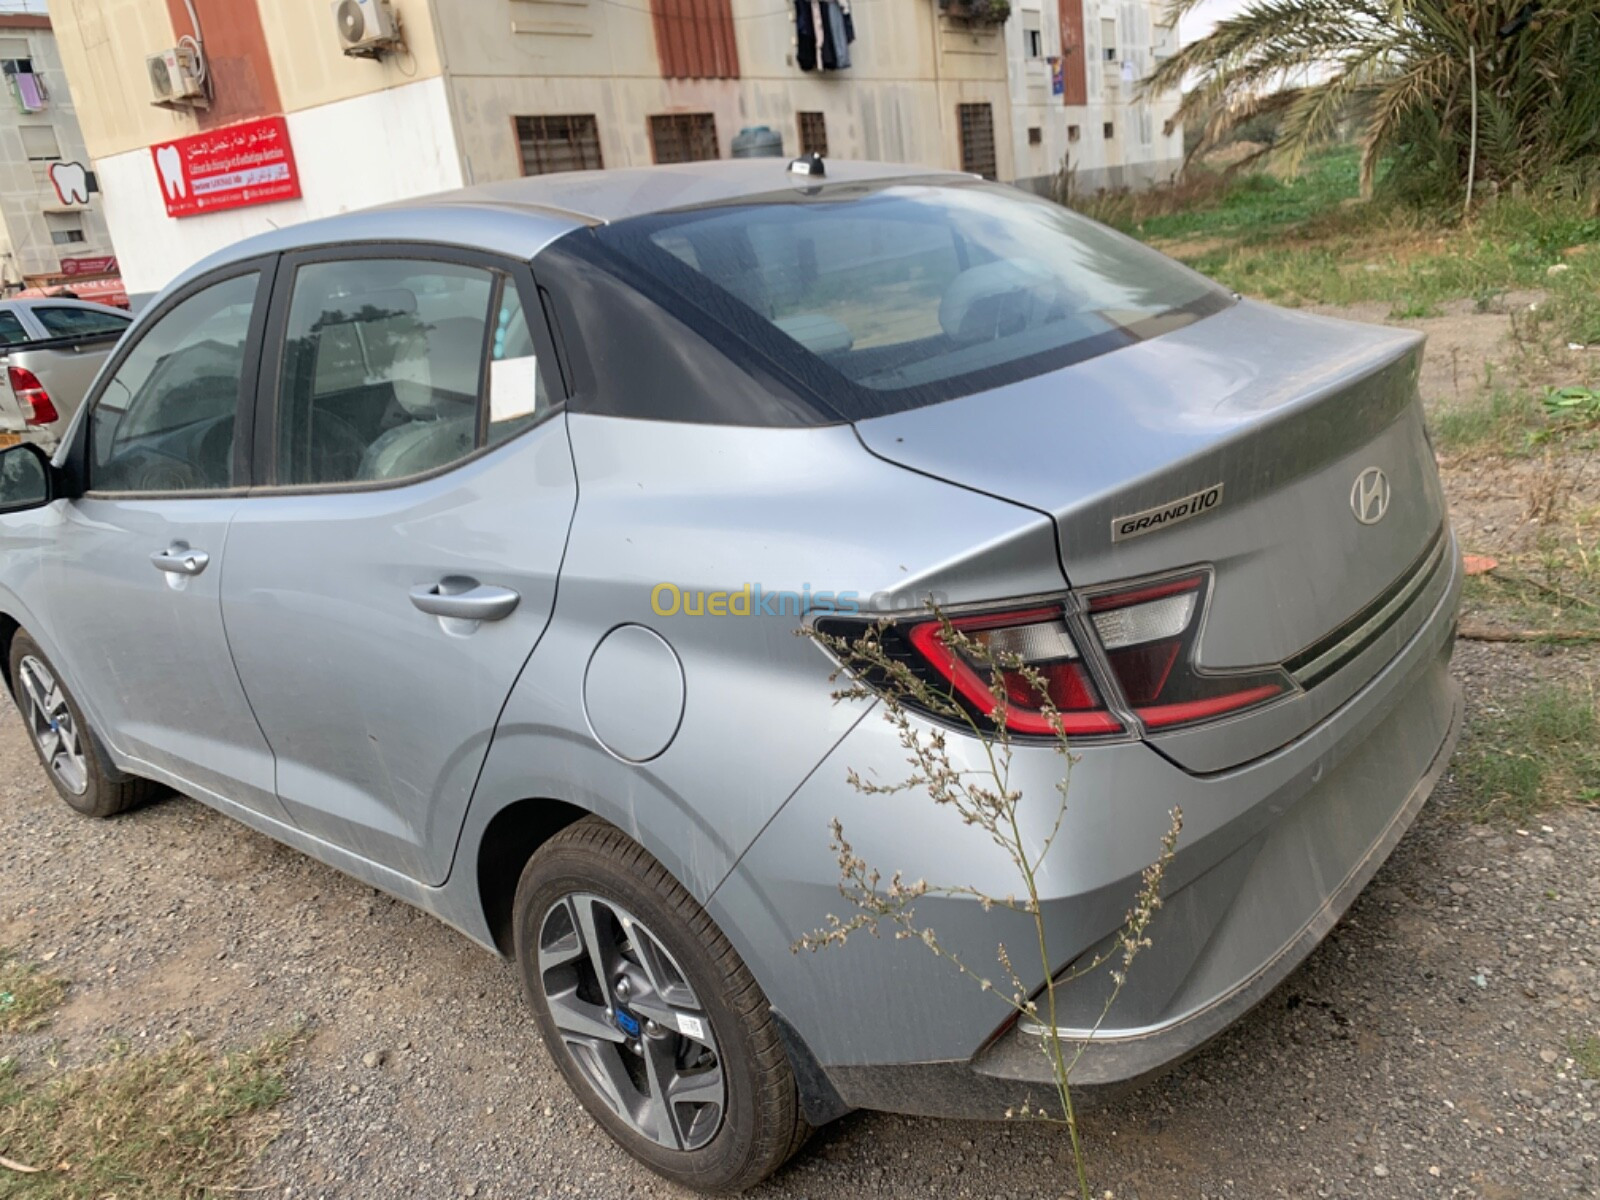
(30, 393)
(1148, 632)
(1037, 638)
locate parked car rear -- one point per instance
(50, 351)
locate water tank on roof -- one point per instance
(758, 141)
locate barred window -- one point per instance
(683, 137)
(566, 143)
(977, 140)
(813, 133)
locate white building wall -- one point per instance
(354, 153)
(910, 70)
(1137, 152)
(1033, 106)
(26, 193)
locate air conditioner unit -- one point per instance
(366, 27)
(176, 76)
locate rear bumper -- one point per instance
(1272, 854)
(1015, 1068)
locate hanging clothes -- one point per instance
(849, 21)
(805, 36)
(835, 39)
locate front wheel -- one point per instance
(63, 739)
(650, 1014)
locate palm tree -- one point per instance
(1415, 76)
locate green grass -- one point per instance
(27, 995)
(1514, 422)
(1541, 751)
(1247, 203)
(1585, 1055)
(172, 1125)
(1501, 421)
(1572, 409)
(1552, 587)
(1309, 240)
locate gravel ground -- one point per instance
(1421, 1051)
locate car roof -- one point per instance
(519, 217)
(603, 196)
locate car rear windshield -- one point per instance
(885, 299)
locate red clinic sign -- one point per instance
(248, 163)
(106, 265)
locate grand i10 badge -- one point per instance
(1163, 515)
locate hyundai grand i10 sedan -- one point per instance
(462, 544)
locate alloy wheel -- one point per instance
(631, 1022)
(57, 734)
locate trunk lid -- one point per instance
(1237, 442)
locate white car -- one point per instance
(51, 349)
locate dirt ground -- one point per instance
(1424, 1050)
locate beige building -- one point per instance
(461, 91)
(1074, 68)
(52, 229)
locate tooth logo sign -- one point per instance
(71, 182)
(169, 165)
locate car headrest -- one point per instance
(983, 301)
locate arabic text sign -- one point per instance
(105, 264)
(248, 163)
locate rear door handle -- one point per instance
(180, 560)
(462, 599)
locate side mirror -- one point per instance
(26, 478)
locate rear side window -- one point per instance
(61, 321)
(912, 293)
(397, 367)
(11, 331)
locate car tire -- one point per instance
(653, 932)
(73, 758)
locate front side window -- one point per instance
(394, 368)
(913, 293)
(165, 420)
(59, 320)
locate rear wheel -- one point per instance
(63, 739)
(650, 1014)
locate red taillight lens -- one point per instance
(30, 393)
(1039, 639)
(1149, 633)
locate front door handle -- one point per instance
(463, 599)
(179, 559)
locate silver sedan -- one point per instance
(461, 544)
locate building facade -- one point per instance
(477, 90)
(52, 225)
(1074, 72)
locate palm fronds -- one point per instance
(1401, 71)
